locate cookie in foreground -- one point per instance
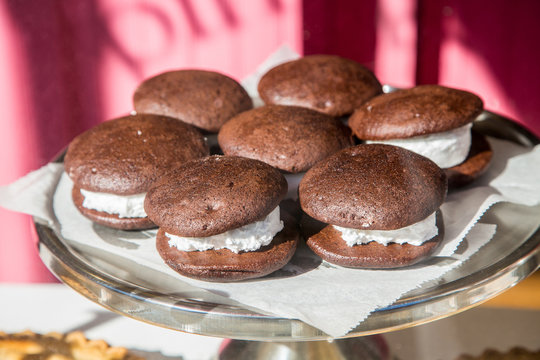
(113, 164)
(381, 204)
(29, 345)
(219, 219)
(326, 83)
(432, 120)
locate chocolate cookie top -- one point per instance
(124, 156)
(290, 138)
(373, 187)
(214, 194)
(205, 99)
(326, 83)
(421, 110)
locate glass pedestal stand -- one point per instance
(509, 257)
(367, 347)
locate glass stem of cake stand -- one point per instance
(365, 348)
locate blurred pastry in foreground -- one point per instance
(290, 138)
(205, 99)
(516, 353)
(219, 219)
(431, 120)
(113, 165)
(380, 203)
(73, 346)
(330, 84)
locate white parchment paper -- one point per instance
(328, 297)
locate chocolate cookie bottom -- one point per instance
(110, 220)
(225, 266)
(329, 245)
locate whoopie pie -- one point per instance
(290, 138)
(327, 83)
(113, 164)
(219, 219)
(205, 99)
(432, 120)
(381, 204)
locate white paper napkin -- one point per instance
(250, 82)
(328, 297)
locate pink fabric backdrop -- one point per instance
(68, 65)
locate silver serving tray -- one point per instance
(509, 257)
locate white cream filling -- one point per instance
(249, 237)
(128, 206)
(446, 149)
(415, 234)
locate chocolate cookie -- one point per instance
(329, 245)
(373, 187)
(290, 138)
(214, 194)
(421, 110)
(213, 214)
(434, 121)
(124, 156)
(224, 266)
(326, 83)
(205, 99)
